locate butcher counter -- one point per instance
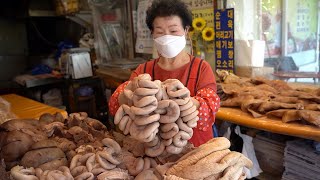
(274, 125)
(23, 107)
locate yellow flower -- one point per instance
(208, 34)
(198, 24)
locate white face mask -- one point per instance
(170, 46)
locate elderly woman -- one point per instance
(168, 21)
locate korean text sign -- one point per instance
(224, 39)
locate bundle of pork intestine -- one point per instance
(88, 163)
(53, 148)
(159, 114)
(210, 161)
(80, 148)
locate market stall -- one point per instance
(156, 118)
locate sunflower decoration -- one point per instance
(208, 34)
(202, 35)
(198, 24)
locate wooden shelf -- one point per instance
(42, 13)
(84, 18)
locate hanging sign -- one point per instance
(224, 41)
(144, 41)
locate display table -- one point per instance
(29, 81)
(23, 107)
(273, 125)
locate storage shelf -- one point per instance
(41, 13)
(84, 18)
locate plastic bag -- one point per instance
(248, 151)
(109, 22)
(233, 134)
(5, 111)
(53, 98)
(235, 140)
(41, 69)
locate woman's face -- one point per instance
(171, 25)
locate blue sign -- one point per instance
(224, 40)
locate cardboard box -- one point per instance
(247, 71)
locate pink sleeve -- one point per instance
(113, 101)
(209, 105)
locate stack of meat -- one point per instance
(262, 97)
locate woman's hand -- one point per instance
(195, 102)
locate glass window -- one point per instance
(271, 27)
(290, 29)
